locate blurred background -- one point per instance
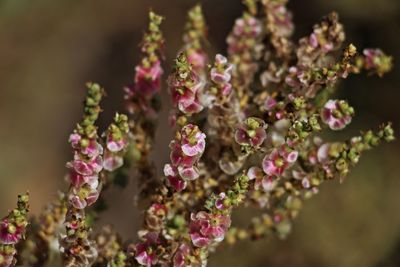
(49, 49)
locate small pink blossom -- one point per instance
(77, 180)
(206, 228)
(93, 149)
(146, 250)
(178, 158)
(9, 232)
(83, 167)
(279, 160)
(74, 139)
(251, 132)
(270, 103)
(245, 28)
(323, 153)
(177, 183)
(219, 202)
(221, 73)
(337, 114)
(83, 197)
(148, 79)
(193, 141)
(116, 145)
(186, 94)
(184, 257)
(112, 161)
(198, 60)
(265, 182)
(372, 57)
(188, 173)
(280, 18)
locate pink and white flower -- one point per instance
(198, 60)
(261, 181)
(183, 257)
(186, 91)
(146, 250)
(251, 132)
(337, 114)
(206, 228)
(279, 160)
(193, 140)
(84, 196)
(10, 233)
(148, 79)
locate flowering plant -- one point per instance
(247, 133)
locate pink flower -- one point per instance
(146, 250)
(186, 92)
(279, 18)
(116, 145)
(83, 167)
(198, 60)
(184, 258)
(193, 140)
(93, 149)
(377, 61)
(270, 103)
(177, 183)
(337, 114)
(372, 57)
(178, 158)
(74, 139)
(265, 182)
(9, 232)
(148, 79)
(84, 196)
(206, 228)
(77, 180)
(188, 173)
(112, 161)
(279, 160)
(323, 153)
(251, 132)
(173, 177)
(219, 202)
(221, 73)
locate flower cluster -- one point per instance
(326, 37)
(375, 60)
(88, 161)
(185, 87)
(220, 76)
(206, 228)
(143, 105)
(186, 151)
(146, 251)
(261, 117)
(147, 81)
(194, 38)
(244, 48)
(279, 26)
(12, 231)
(116, 143)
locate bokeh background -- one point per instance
(49, 49)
